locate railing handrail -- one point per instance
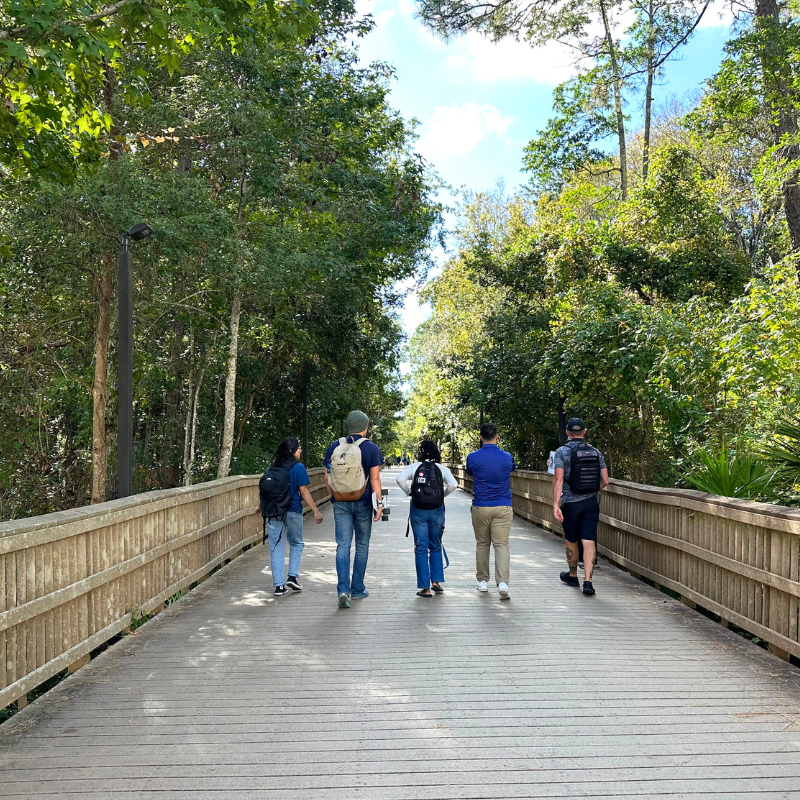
(700, 501)
(178, 495)
(736, 558)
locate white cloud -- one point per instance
(364, 7)
(407, 7)
(457, 129)
(382, 17)
(719, 15)
(509, 59)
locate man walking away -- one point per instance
(490, 469)
(580, 475)
(352, 474)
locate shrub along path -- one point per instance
(233, 694)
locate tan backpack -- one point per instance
(347, 478)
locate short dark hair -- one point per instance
(428, 451)
(488, 431)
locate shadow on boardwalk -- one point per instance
(231, 693)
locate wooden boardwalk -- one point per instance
(233, 694)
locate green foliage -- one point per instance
(669, 239)
(785, 454)
(308, 199)
(658, 366)
(570, 142)
(55, 55)
(731, 474)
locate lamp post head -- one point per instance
(139, 231)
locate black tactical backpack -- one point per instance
(427, 487)
(584, 469)
(275, 493)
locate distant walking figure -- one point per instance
(352, 474)
(291, 480)
(427, 481)
(580, 475)
(492, 514)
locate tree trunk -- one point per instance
(648, 94)
(100, 386)
(187, 426)
(617, 83)
(226, 450)
(785, 125)
(187, 478)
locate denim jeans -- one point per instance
(351, 518)
(428, 526)
(292, 529)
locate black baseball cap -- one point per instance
(576, 424)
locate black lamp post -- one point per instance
(125, 359)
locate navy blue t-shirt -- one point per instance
(491, 468)
(370, 457)
(298, 476)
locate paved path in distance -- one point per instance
(232, 694)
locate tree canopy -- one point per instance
(287, 203)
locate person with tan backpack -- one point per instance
(352, 475)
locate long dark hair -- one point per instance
(285, 452)
(428, 451)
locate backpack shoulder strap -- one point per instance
(361, 441)
(343, 440)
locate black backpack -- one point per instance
(427, 487)
(584, 469)
(275, 494)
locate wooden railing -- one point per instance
(70, 581)
(735, 558)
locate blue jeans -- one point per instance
(428, 526)
(292, 529)
(351, 518)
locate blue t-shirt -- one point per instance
(370, 457)
(298, 476)
(491, 468)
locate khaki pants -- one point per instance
(492, 525)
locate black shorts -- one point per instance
(580, 519)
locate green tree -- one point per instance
(54, 56)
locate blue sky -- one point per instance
(478, 104)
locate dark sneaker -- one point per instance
(570, 580)
(344, 600)
(293, 583)
(588, 588)
(280, 591)
(360, 595)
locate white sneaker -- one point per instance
(482, 587)
(503, 589)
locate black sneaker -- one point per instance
(293, 583)
(588, 588)
(280, 591)
(570, 580)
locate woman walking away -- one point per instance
(290, 525)
(427, 482)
